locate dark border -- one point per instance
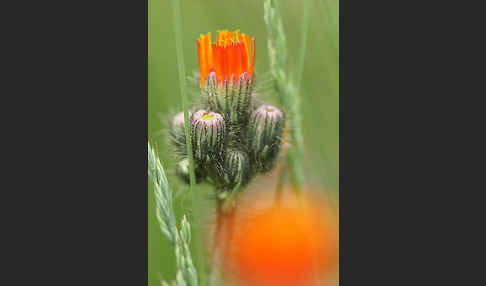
(84, 176)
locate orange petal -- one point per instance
(252, 66)
(201, 57)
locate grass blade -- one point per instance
(180, 240)
(287, 92)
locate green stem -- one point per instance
(192, 178)
(280, 183)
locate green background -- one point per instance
(320, 99)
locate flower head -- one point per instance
(229, 56)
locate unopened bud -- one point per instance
(243, 99)
(207, 135)
(236, 168)
(231, 97)
(265, 132)
(182, 171)
(177, 132)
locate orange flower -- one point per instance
(293, 244)
(229, 56)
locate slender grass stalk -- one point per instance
(179, 239)
(192, 178)
(286, 91)
(182, 74)
(303, 44)
(331, 10)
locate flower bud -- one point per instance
(177, 132)
(218, 95)
(231, 97)
(241, 106)
(207, 135)
(236, 168)
(182, 171)
(265, 132)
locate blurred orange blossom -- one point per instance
(293, 243)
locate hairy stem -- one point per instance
(280, 184)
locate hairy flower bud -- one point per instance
(265, 132)
(242, 104)
(236, 168)
(207, 135)
(182, 171)
(177, 132)
(231, 97)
